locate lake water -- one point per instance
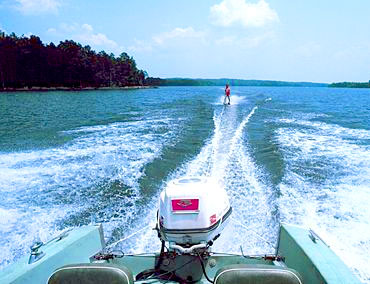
(295, 155)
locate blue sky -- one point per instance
(318, 41)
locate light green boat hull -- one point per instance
(311, 257)
(299, 248)
(77, 246)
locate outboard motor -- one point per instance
(192, 213)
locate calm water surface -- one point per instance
(296, 155)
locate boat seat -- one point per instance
(91, 273)
(256, 274)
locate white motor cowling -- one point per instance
(192, 211)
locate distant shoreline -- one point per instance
(174, 82)
(358, 85)
(230, 81)
(47, 89)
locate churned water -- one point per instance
(295, 155)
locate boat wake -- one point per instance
(326, 185)
(92, 179)
(225, 158)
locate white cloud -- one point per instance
(251, 41)
(69, 27)
(178, 33)
(87, 27)
(240, 12)
(29, 34)
(29, 7)
(258, 40)
(140, 46)
(176, 37)
(51, 31)
(88, 36)
(2, 29)
(85, 34)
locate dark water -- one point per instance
(296, 155)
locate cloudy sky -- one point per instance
(291, 40)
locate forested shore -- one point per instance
(350, 85)
(26, 63)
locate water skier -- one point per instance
(227, 94)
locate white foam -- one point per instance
(337, 204)
(104, 153)
(23, 226)
(234, 99)
(331, 129)
(249, 197)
